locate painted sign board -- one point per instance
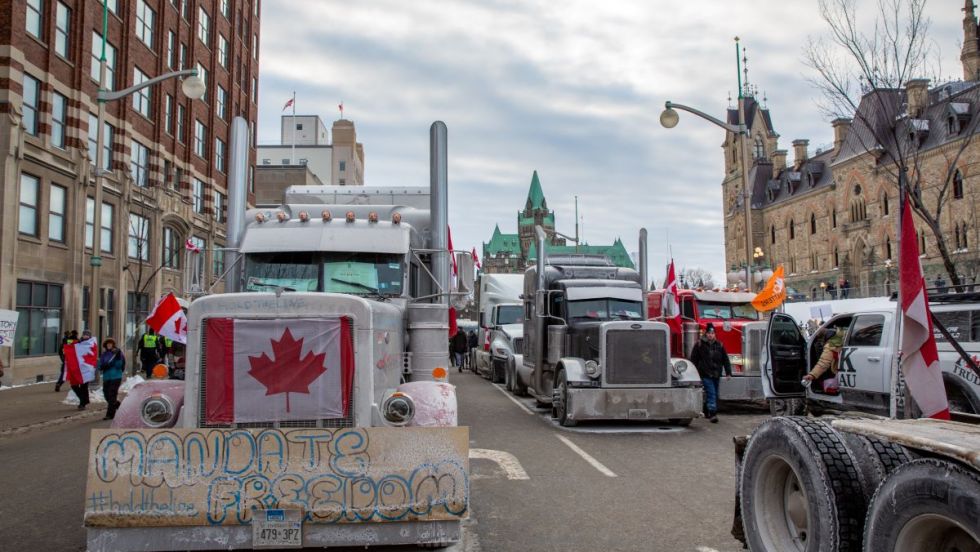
(8, 327)
(213, 477)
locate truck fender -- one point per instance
(435, 403)
(687, 375)
(129, 414)
(574, 371)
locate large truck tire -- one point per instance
(787, 407)
(560, 404)
(875, 459)
(516, 387)
(926, 505)
(496, 371)
(800, 490)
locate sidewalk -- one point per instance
(30, 406)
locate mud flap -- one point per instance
(217, 478)
(738, 530)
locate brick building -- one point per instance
(831, 213)
(166, 159)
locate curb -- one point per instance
(96, 411)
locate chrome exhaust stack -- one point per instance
(439, 207)
(644, 275)
(237, 194)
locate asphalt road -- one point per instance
(536, 486)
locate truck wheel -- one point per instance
(508, 379)
(959, 401)
(560, 406)
(799, 489)
(787, 407)
(926, 505)
(875, 459)
(496, 372)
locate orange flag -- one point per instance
(774, 293)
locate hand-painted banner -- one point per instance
(191, 477)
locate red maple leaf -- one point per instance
(287, 373)
(91, 357)
(177, 324)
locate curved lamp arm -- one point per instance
(108, 96)
(738, 129)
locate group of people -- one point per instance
(111, 364)
(460, 346)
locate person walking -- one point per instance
(80, 388)
(459, 347)
(711, 359)
(112, 363)
(68, 339)
(149, 349)
(471, 344)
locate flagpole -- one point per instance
(897, 333)
(293, 161)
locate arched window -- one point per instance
(958, 185)
(888, 247)
(171, 248)
(963, 236)
(836, 258)
(922, 243)
(858, 210)
(884, 204)
(833, 217)
(759, 147)
(951, 126)
(813, 224)
(792, 231)
(772, 234)
(957, 231)
(813, 261)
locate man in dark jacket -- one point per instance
(711, 359)
(459, 348)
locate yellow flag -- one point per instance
(774, 293)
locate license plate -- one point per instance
(277, 529)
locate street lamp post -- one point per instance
(193, 87)
(669, 119)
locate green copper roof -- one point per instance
(535, 196)
(616, 252)
(502, 243)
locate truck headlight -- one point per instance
(592, 368)
(398, 409)
(679, 366)
(157, 411)
(735, 359)
(500, 351)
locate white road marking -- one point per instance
(507, 461)
(514, 400)
(705, 549)
(587, 457)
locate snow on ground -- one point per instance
(95, 395)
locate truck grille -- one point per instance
(636, 357)
(518, 346)
(346, 421)
(753, 342)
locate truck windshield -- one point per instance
(510, 314)
(604, 309)
(353, 273)
(727, 311)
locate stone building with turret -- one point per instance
(512, 253)
(830, 215)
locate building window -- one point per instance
(859, 211)
(833, 217)
(181, 124)
(836, 258)
(772, 234)
(255, 46)
(204, 27)
(139, 166)
(171, 248)
(202, 73)
(106, 237)
(145, 18)
(137, 309)
(304, 162)
(225, 7)
(223, 57)
(200, 138)
(27, 221)
(141, 99)
(888, 247)
(197, 199)
(171, 49)
(922, 243)
(814, 265)
(139, 233)
(168, 114)
(39, 322)
(219, 155)
(221, 103)
(113, 5)
(89, 221)
(57, 205)
(759, 148)
(220, 207)
(32, 97)
(884, 204)
(218, 263)
(184, 11)
(958, 185)
(792, 230)
(59, 110)
(178, 176)
(963, 233)
(255, 90)
(183, 55)
(813, 224)
(62, 30)
(343, 166)
(34, 18)
(110, 57)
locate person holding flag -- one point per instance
(113, 366)
(80, 361)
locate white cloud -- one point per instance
(573, 89)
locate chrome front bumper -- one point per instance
(741, 388)
(597, 403)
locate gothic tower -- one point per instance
(970, 55)
(535, 213)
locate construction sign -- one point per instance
(773, 294)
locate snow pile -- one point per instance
(96, 396)
(130, 383)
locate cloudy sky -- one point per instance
(570, 88)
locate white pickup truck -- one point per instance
(865, 361)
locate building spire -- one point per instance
(535, 195)
(970, 55)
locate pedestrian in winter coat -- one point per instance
(459, 347)
(68, 339)
(81, 390)
(150, 349)
(711, 359)
(112, 362)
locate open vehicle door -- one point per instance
(785, 363)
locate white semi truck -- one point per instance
(315, 410)
(501, 325)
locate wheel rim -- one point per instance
(560, 400)
(935, 533)
(781, 508)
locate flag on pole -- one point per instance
(920, 358)
(476, 259)
(773, 295)
(289, 103)
(449, 239)
(191, 246)
(341, 107)
(81, 358)
(168, 319)
(670, 292)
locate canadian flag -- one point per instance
(278, 369)
(476, 259)
(191, 246)
(670, 291)
(81, 358)
(168, 319)
(920, 358)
